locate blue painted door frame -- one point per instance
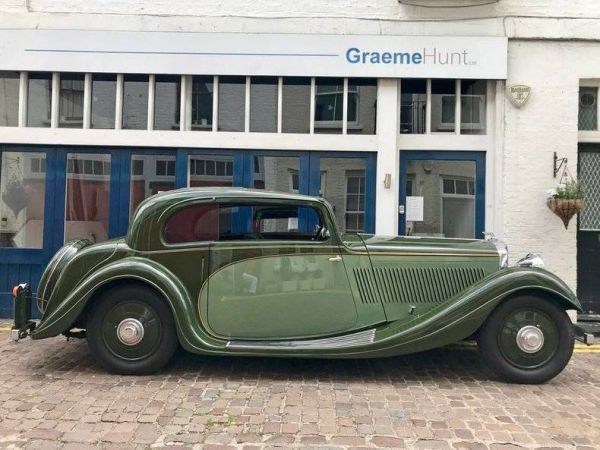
(477, 157)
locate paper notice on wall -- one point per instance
(414, 209)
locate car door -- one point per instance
(271, 277)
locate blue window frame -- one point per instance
(477, 157)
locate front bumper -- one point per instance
(23, 325)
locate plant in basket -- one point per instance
(567, 201)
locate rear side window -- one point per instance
(228, 222)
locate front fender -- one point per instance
(144, 270)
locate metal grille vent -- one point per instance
(414, 284)
(589, 176)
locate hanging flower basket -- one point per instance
(565, 208)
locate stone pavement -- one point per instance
(53, 395)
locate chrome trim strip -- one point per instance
(360, 338)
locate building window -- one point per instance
(104, 95)
(71, 100)
(135, 102)
(472, 106)
(202, 103)
(362, 105)
(167, 91)
(588, 108)
(295, 105)
(329, 105)
(437, 101)
(39, 99)
(443, 109)
(263, 104)
(413, 106)
(22, 196)
(9, 99)
(232, 103)
(355, 201)
(165, 168)
(210, 171)
(88, 194)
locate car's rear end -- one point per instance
(65, 270)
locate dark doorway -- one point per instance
(588, 230)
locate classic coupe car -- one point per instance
(231, 271)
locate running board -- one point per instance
(348, 340)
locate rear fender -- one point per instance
(141, 270)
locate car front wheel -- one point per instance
(527, 340)
(130, 330)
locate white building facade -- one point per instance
(395, 111)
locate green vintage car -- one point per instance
(231, 271)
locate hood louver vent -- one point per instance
(414, 284)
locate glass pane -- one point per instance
(413, 106)
(448, 208)
(473, 106)
(263, 104)
(295, 105)
(88, 196)
(210, 170)
(150, 174)
(166, 102)
(9, 99)
(329, 105)
(362, 105)
(443, 98)
(135, 102)
(341, 185)
(589, 168)
(39, 98)
(104, 95)
(70, 103)
(277, 173)
(588, 108)
(22, 195)
(232, 103)
(202, 103)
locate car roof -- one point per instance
(226, 191)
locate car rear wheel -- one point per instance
(130, 330)
(527, 340)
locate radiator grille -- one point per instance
(414, 284)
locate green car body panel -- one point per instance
(342, 296)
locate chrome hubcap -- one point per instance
(130, 331)
(530, 339)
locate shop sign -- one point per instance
(254, 54)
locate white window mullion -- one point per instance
(313, 90)
(87, 100)
(23, 82)
(215, 124)
(457, 110)
(182, 103)
(54, 106)
(280, 104)
(345, 107)
(428, 108)
(151, 94)
(247, 107)
(119, 103)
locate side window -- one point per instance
(234, 222)
(195, 223)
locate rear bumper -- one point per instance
(23, 325)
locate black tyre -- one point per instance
(130, 330)
(527, 339)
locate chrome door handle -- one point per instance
(336, 258)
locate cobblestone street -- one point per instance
(53, 395)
